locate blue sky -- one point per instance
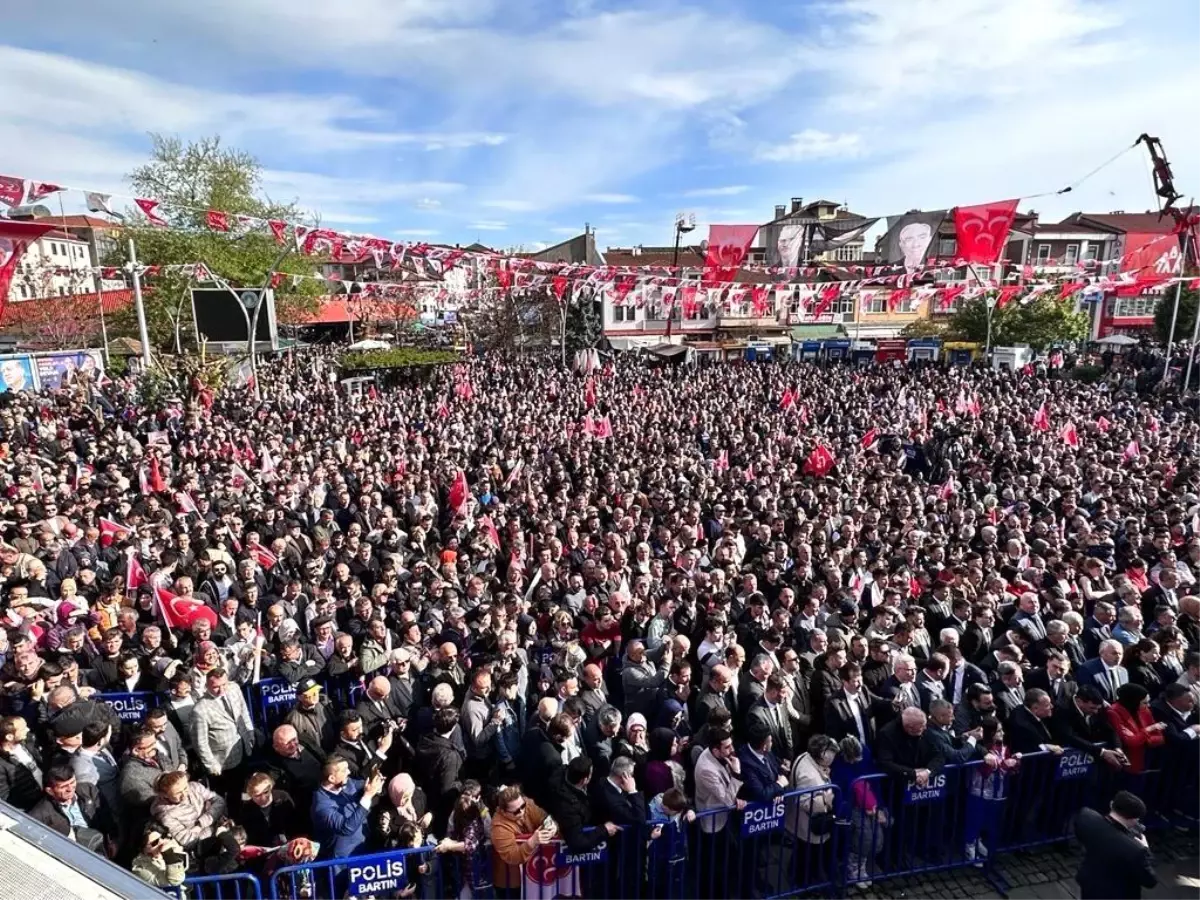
(515, 122)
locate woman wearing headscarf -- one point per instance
(634, 743)
(1134, 724)
(662, 770)
(811, 812)
(405, 804)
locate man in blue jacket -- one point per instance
(340, 808)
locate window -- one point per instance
(844, 304)
(624, 313)
(23, 291)
(878, 302)
(1043, 253)
(947, 248)
(1135, 306)
(1071, 257)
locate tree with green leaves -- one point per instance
(584, 325)
(1040, 322)
(1189, 302)
(188, 179)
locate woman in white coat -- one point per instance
(810, 817)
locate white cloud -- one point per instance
(488, 225)
(415, 232)
(428, 203)
(510, 205)
(566, 230)
(610, 198)
(812, 144)
(731, 190)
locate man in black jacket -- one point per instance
(567, 801)
(299, 768)
(20, 764)
(906, 752)
(1116, 862)
(74, 810)
(624, 806)
(314, 720)
(1080, 724)
(1028, 725)
(440, 761)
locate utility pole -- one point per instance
(1185, 244)
(684, 222)
(139, 306)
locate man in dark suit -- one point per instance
(1008, 690)
(751, 687)
(931, 683)
(907, 752)
(1098, 628)
(978, 704)
(1176, 708)
(900, 690)
(853, 710)
(1027, 727)
(771, 709)
(960, 674)
(954, 749)
(622, 804)
(1080, 724)
(976, 641)
(760, 773)
(1106, 671)
(1058, 637)
(1053, 678)
(1116, 859)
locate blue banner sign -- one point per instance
(595, 856)
(933, 792)
(761, 818)
(128, 707)
(380, 877)
(1073, 764)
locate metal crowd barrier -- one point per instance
(237, 886)
(387, 874)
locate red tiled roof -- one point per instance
(336, 311)
(82, 222)
(19, 311)
(1148, 222)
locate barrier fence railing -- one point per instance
(237, 886)
(399, 873)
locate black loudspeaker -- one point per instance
(224, 315)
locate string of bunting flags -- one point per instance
(893, 286)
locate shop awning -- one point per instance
(816, 332)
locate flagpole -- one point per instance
(1175, 312)
(139, 306)
(1190, 242)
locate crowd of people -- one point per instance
(507, 626)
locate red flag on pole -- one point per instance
(111, 531)
(1041, 419)
(217, 221)
(820, 462)
(181, 612)
(263, 556)
(788, 398)
(603, 428)
(1103, 424)
(589, 393)
(1069, 435)
(1132, 451)
(135, 575)
(278, 230)
(489, 531)
(869, 439)
(1006, 295)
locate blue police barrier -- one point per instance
(897, 827)
(269, 701)
(238, 886)
(377, 874)
(131, 707)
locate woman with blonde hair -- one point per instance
(517, 833)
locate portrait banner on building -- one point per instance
(910, 236)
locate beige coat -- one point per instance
(806, 774)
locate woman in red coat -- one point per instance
(1134, 724)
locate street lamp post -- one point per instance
(684, 222)
(991, 308)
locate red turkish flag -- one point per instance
(982, 231)
(135, 575)
(1152, 257)
(869, 439)
(589, 393)
(1103, 424)
(182, 612)
(820, 462)
(150, 208)
(278, 230)
(12, 190)
(1069, 435)
(895, 298)
(112, 531)
(727, 248)
(15, 238)
(459, 492)
(217, 221)
(489, 531)
(1041, 419)
(263, 556)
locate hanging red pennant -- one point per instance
(276, 279)
(896, 297)
(1069, 289)
(15, 239)
(559, 285)
(758, 299)
(1006, 295)
(12, 190)
(217, 221)
(624, 284)
(150, 207)
(278, 230)
(39, 190)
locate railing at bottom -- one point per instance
(397, 873)
(238, 886)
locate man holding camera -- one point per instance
(1116, 858)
